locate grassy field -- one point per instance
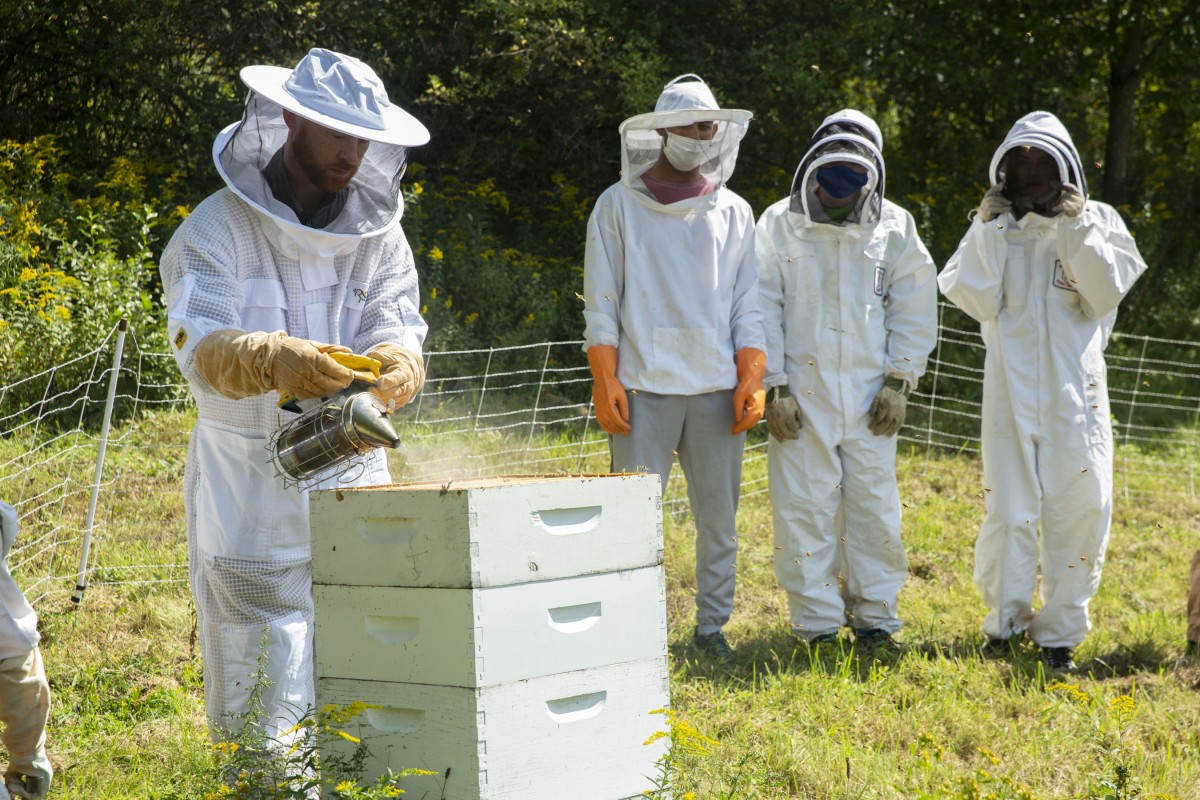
(936, 721)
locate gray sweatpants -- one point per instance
(697, 428)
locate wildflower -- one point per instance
(1122, 705)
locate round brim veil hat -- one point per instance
(685, 100)
(339, 92)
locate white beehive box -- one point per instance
(483, 637)
(485, 532)
(578, 735)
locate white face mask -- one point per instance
(686, 154)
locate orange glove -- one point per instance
(608, 395)
(749, 398)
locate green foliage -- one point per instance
(75, 257)
(492, 275)
(254, 765)
(524, 100)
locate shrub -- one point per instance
(76, 256)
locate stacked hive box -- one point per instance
(511, 630)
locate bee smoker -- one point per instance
(332, 438)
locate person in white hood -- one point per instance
(1042, 269)
(673, 332)
(850, 312)
(24, 692)
(301, 255)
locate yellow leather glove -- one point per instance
(239, 364)
(364, 369)
(888, 408)
(608, 395)
(749, 398)
(401, 374)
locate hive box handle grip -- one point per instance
(577, 708)
(567, 521)
(396, 720)
(574, 619)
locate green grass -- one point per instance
(937, 721)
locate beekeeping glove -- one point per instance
(888, 408)
(401, 373)
(749, 396)
(608, 395)
(994, 203)
(1070, 201)
(24, 709)
(783, 414)
(239, 364)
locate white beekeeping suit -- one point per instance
(1043, 275)
(673, 332)
(243, 277)
(24, 692)
(848, 301)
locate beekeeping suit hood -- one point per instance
(1042, 130)
(684, 101)
(340, 93)
(845, 136)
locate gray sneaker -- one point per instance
(714, 646)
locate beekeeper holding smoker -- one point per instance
(300, 259)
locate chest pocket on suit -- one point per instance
(264, 305)
(352, 311)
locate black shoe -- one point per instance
(821, 639)
(1058, 659)
(715, 647)
(1192, 650)
(876, 639)
(1002, 648)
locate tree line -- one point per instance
(523, 98)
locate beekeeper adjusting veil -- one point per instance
(340, 93)
(1042, 131)
(847, 137)
(684, 101)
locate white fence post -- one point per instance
(81, 580)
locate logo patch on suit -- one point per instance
(1060, 277)
(180, 339)
(879, 275)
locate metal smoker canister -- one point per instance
(336, 432)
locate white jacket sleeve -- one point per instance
(1099, 257)
(603, 275)
(745, 318)
(974, 276)
(911, 315)
(771, 293)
